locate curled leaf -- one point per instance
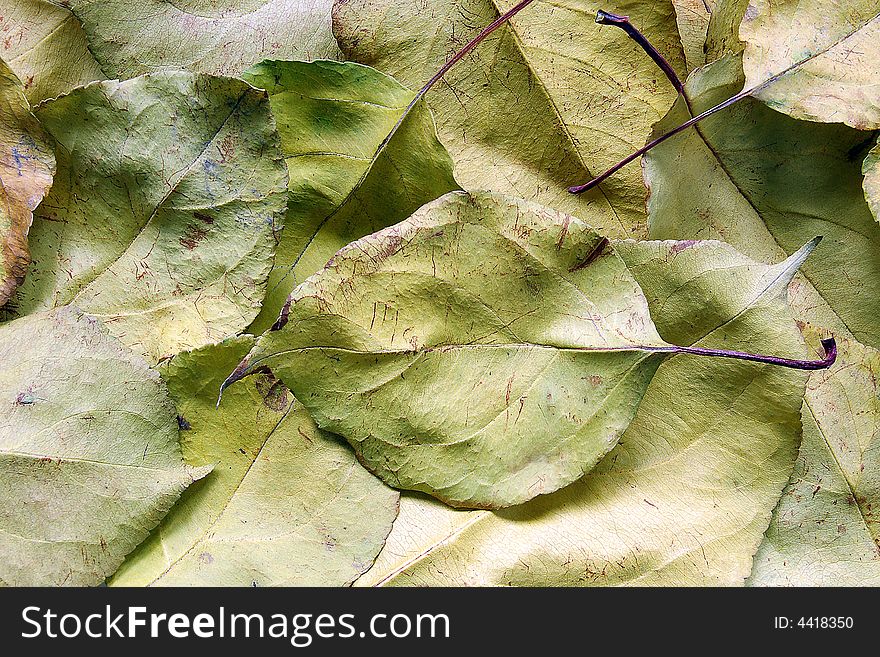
(162, 219)
(89, 458)
(286, 505)
(26, 167)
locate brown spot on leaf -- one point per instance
(194, 234)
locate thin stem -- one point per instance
(828, 344)
(623, 22)
(579, 189)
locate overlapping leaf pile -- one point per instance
(438, 365)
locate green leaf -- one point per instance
(693, 18)
(26, 167)
(766, 183)
(540, 103)
(131, 37)
(825, 54)
(287, 504)
(46, 47)
(163, 215)
(871, 184)
(485, 351)
(826, 529)
(89, 458)
(345, 182)
(687, 493)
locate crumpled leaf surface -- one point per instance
(693, 17)
(26, 167)
(46, 47)
(530, 112)
(871, 184)
(89, 458)
(775, 184)
(833, 50)
(286, 504)
(686, 495)
(131, 37)
(163, 214)
(826, 529)
(332, 119)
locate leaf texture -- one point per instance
(825, 53)
(132, 37)
(46, 47)
(89, 458)
(163, 215)
(826, 529)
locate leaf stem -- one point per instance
(623, 22)
(579, 189)
(828, 344)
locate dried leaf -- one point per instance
(540, 103)
(826, 529)
(163, 214)
(693, 18)
(46, 47)
(26, 167)
(333, 118)
(287, 504)
(687, 494)
(825, 54)
(485, 351)
(89, 458)
(131, 37)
